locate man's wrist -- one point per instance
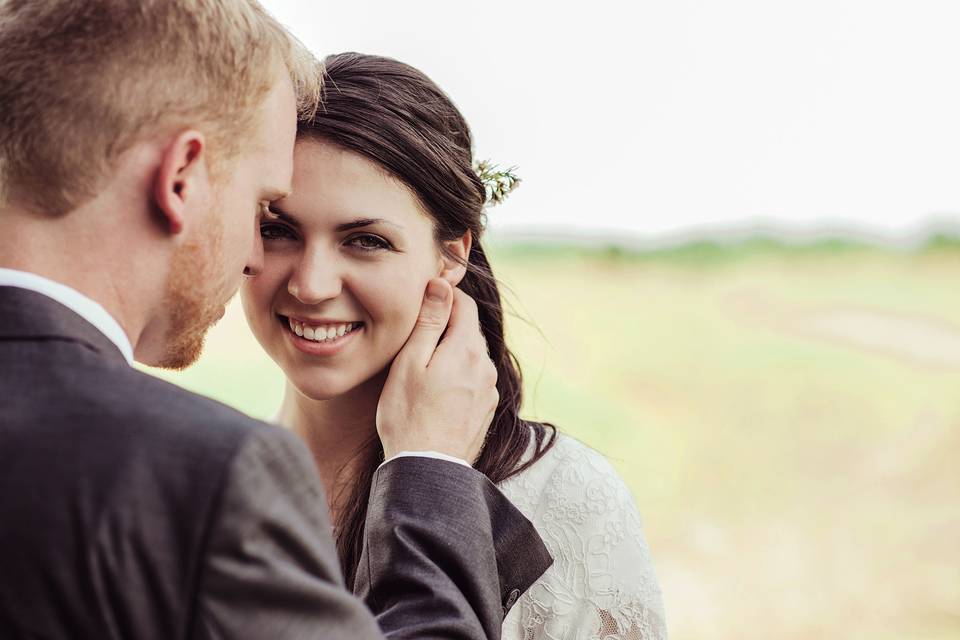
(426, 454)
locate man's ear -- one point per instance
(180, 178)
(454, 260)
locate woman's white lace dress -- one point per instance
(602, 585)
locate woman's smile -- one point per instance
(319, 337)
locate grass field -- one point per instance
(787, 417)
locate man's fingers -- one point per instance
(431, 323)
(464, 318)
(463, 335)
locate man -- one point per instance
(139, 139)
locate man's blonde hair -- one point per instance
(80, 82)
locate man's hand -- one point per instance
(440, 397)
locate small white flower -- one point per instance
(496, 184)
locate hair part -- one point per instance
(395, 116)
(80, 83)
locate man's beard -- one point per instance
(194, 290)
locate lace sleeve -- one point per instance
(602, 585)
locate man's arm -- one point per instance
(270, 569)
(445, 554)
(430, 567)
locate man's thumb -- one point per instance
(433, 319)
(438, 294)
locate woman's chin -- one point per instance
(321, 387)
(320, 392)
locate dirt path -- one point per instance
(923, 340)
(914, 338)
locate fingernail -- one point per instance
(437, 291)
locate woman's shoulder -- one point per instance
(575, 487)
(602, 576)
(569, 467)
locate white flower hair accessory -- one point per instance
(497, 184)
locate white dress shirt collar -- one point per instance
(88, 309)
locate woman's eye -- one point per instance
(274, 231)
(367, 242)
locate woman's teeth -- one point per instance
(322, 333)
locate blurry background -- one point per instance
(732, 270)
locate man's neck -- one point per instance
(77, 256)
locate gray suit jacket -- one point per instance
(130, 508)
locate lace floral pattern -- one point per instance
(602, 585)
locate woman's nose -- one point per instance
(316, 278)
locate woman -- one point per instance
(385, 197)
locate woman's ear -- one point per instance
(454, 258)
(180, 180)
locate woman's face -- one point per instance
(347, 258)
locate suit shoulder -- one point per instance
(154, 412)
(165, 398)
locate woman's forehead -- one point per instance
(334, 187)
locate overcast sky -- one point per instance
(668, 116)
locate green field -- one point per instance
(787, 417)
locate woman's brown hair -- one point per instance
(395, 116)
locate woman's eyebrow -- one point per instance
(364, 222)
